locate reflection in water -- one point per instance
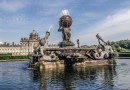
(16, 76)
(76, 78)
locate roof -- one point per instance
(33, 33)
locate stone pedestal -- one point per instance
(66, 44)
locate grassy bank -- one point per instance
(5, 57)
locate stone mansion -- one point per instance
(25, 47)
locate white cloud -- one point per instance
(48, 13)
(112, 27)
(1, 42)
(12, 5)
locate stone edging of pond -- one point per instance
(13, 60)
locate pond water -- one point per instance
(17, 76)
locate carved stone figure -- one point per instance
(78, 42)
(106, 47)
(42, 44)
(106, 51)
(93, 54)
(64, 26)
(100, 38)
(66, 34)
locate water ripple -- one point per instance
(17, 76)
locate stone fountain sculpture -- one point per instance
(106, 51)
(41, 49)
(66, 54)
(42, 45)
(64, 26)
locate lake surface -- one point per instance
(17, 76)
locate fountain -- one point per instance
(64, 26)
(68, 55)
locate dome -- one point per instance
(33, 33)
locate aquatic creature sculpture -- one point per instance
(93, 54)
(105, 53)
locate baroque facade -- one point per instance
(25, 47)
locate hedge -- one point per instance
(7, 57)
(8, 54)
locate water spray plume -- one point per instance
(65, 12)
(50, 28)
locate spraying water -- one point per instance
(64, 12)
(51, 27)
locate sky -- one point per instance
(109, 18)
